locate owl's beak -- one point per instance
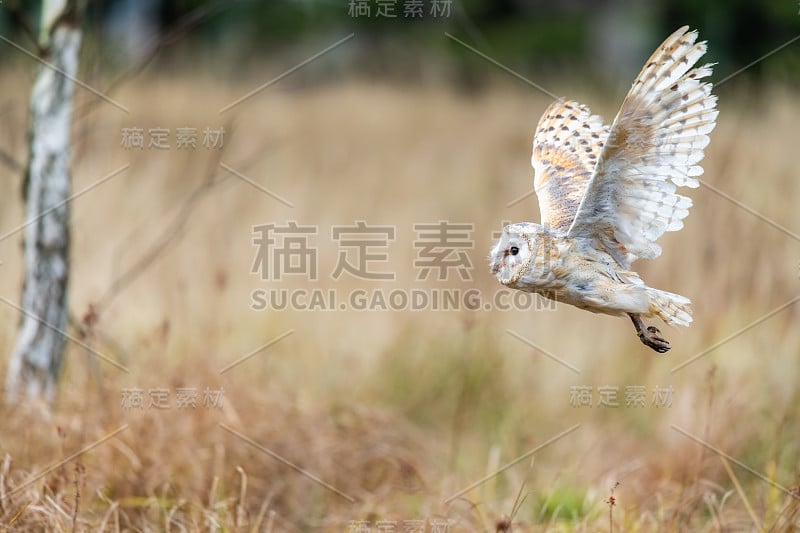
(497, 266)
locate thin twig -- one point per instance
(182, 27)
(172, 232)
(742, 495)
(78, 483)
(611, 501)
(9, 161)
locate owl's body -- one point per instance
(575, 272)
(607, 193)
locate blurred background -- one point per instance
(402, 41)
(327, 113)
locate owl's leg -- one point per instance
(649, 336)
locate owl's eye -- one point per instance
(514, 250)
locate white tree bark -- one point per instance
(36, 360)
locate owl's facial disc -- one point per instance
(509, 255)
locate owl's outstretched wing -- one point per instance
(654, 146)
(566, 149)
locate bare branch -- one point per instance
(184, 25)
(9, 161)
(173, 231)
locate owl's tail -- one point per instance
(673, 309)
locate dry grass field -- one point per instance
(384, 418)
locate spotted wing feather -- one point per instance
(566, 149)
(654, 146)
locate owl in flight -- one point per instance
(607, 193)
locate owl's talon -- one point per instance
(652, 338)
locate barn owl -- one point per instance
(607, 193)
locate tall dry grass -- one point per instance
(398, 410)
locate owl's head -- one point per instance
(511, 255)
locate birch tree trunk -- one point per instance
(36, 361)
